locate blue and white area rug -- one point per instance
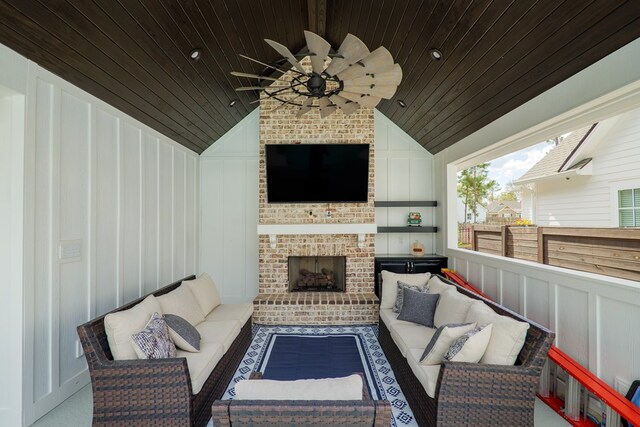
(296, 352)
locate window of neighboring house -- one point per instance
(507, 215)
(468, 217)
(629, 207)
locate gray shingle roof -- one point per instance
(498, 205)
(556, 159)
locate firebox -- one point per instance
(317, 273)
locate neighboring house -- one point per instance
(480, 218)
(591, 179)
(503, 211)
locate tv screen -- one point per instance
(317, 173)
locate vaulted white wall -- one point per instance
(229, 199)
(110, 213)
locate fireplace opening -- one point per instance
(317, 273)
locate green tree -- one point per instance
(510, 193)
(474, 186)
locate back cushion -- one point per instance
(507, 337)
(121, 325)
(437, 286)
(390, 285)
(182, 302)
(452, 308)
(205, 292)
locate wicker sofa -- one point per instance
(469, 394)
(297, 413)
(159, 392)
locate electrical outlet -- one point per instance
(621, 386)
(79, 351)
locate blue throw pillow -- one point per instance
(418, 307)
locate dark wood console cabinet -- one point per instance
(404, 264)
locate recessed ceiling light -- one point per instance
(195, 54)
(435, 54)
(401, 103)
(233, 102)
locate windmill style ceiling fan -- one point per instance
(354, 76)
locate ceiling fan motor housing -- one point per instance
(316, 85)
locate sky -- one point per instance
(512, 166)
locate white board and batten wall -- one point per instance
(595, 317)
(229, 201)
(111, 213)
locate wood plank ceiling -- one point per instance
(134, 54)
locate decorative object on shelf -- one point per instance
(417, 249)
(414, 219)
(354, 77)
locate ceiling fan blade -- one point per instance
(393, 77)
(265, 64)
(252, 76)
(345, 105)
(350, 108)
(284, 51)
(378, 61)
(244, 88)
(351, 50)
(306, 107)
(363, 100)
(326, 109)
(380, 91)
(320, 49)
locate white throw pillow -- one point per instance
(507, 338)
(181, 302)
(121, 325)
(442, 340)
(437, 286)
(346, 388)
(452, 308)
(205, 291)
(470, 346)
(390, 285)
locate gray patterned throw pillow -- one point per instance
(397, 308)
(418, 307)
(471, 346)
(153, 342)
(184, 334)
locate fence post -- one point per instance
(540, 246)
(503, 237)
(474, 244)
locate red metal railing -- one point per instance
(595, 385)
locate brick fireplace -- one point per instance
(315, 230)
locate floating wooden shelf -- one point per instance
(407, 229)
(398, 204)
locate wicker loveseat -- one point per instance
(156, 392)
(302, 413)
(470, 394)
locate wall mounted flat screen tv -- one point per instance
(317, 173)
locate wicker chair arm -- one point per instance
(141, 390)
(484, 393)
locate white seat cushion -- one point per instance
(408, 335)
(426, 374)
(221, 331)
(390, 285)
(507, 337)
(201, 364)
(121, 325)
(389, 317)
(205, 292)
(239, 312)
(346, 388)
(452, 308)
(181, 302)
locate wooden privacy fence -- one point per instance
(609, 251)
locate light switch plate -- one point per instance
(79, 351)
(69, 250)
(621, 386)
